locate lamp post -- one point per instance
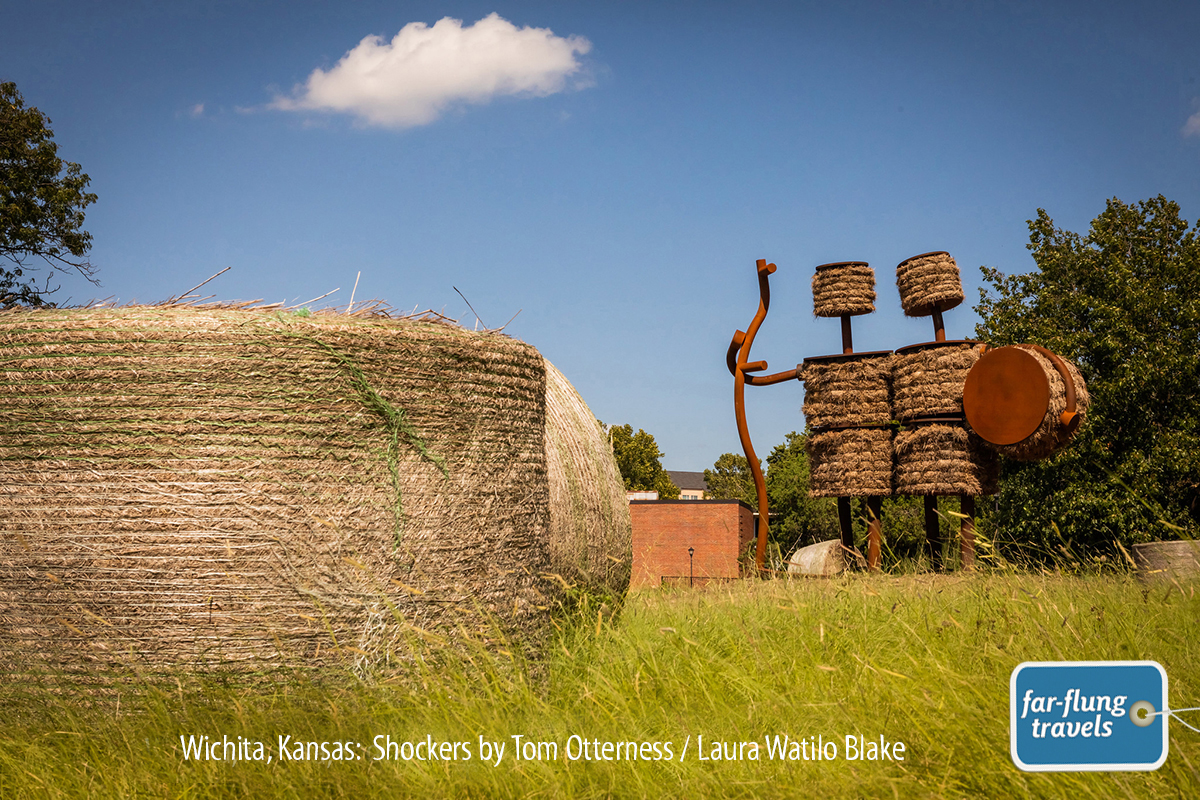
(691, 552)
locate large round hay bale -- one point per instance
(589, 511)
(846, 288)
(853, 389)
(944, 460)
(241, 489)
(1043, 413)
(856, 462)
(928, 379)
(928, 283)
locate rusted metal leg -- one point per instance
(933, 533)
(847, 335)
(966, 534)
(845, 521)
(939, 327)
(874, 531)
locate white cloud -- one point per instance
(424, 70)
(1192, 126)
(197, 110)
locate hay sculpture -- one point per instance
(928, 283)
(236, 489)
(856, 462)
(843, 289)
(1051, 435)
(848, 390)
(929, 381)
(944, 460)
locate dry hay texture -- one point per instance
(241, 490)
(590, 538)
(856, 462)
(841, 289)
(1051, 436)
(930, 380)
(855, 391)
(928, 283)
(944, 460)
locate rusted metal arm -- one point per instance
(754, 380)
(1070, 416)
(737, 358)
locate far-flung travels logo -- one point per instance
(1088, 716)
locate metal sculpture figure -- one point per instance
(1022, 401)
(737, 358)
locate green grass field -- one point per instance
(923, 660)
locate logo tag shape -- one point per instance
(1068, 716)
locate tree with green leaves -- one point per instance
(638, 459)
(1122, 302)
(731, 479)
(796, 518)
(42, 199)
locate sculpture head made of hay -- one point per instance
(929, 283)
(844, 288)
(237, 489)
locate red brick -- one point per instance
(663, 530)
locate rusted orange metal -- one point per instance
(966, 532)
(737, 358)
(939, 326)
(1006, 395)
(874, 531)
(1070, 417)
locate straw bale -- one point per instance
(944, 460)
(930, 380)
(590, 529)
(855, 391)
(843, 289)
(1051, 436)
(856, 462)
(928, 283)
(235, 489)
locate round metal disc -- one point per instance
(1006, 395)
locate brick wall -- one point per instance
(663, 530)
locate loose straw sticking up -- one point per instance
(473, 311)
(350, 307)
(194, 288)
(315, 299)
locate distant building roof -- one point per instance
(688, 480)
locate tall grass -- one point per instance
(920, 659)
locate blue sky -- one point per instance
(617, 180)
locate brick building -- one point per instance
(718, 531)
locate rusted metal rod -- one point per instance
(1069, 417)
(966, 532)
(939, 327)
(738, 360)
(874, 531)
(847, 336)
